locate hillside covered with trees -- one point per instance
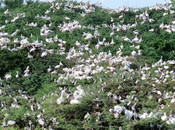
(73, 65)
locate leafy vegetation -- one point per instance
(120, 82)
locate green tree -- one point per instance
(13, 3)
(29, 2)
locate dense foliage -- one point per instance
(41, 84)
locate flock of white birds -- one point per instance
(86, 68)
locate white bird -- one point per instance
(42, 121)
(75, 101)
(49, 69)
(172, 100)
(80, 90)
(164, 14)
(30, 56)
(166, 67)
(119, 53)
(77, 44)
(133, 53)
(4, 123)
(121, 46)
(87, 116)
(6, 21)
(112, 33)
(139, 53)
(33, 49)
(17, 75)
(128, 114)
(77, 96)
(112, 19)
(48, 11)
(112, 42)
(26, 75)
(31, 35)
(67, 18)
(61, 64)
(116, 115)
(121, 16)
(31, 125)
(16, 40)
(11, 122)
(6, 12)
(164, 117)
(151, 30)
(55, 38)
(57, 66)
(27, 70)
(136, 32)
(44, 54)
(61, 99)
(50, 25)
(54, 72)
(137, 47)
(8, 76)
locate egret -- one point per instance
(30, 56)
(49, 69)
(17, 75)
(44, 54)
(11, 122)
(61, 99)
(8, 76)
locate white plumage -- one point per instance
(17, 74)
(75, 101)
(42, 122)
(26, 75)
(8, 76)
(164, 117)
(128, 114)
(11, 122)
(61, 99)
(30, 56)
(44, 54)
(49, 69)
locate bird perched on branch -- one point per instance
(8, 76)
